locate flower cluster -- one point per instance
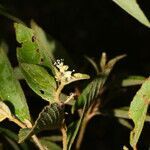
(62, 73)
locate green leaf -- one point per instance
(133, 80)
(49, 145)
(138, 110)
(48, 46)
(10, 89)
(4, 111)
(39, 81)
(31, 50)
(50, 118)
(132, 7)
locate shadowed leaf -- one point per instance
(50, 118)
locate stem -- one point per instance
(81, 133)
(64, 134)
(28, 125)
(37, 142)
(58, 92)
(91, 112)
(19, 123)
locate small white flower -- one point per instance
(63, 74)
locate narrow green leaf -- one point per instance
(30, 50)
(133, 80)
(10, 89)
(138, 110)
(132, 7)
(4, 111)
(49, 145)
(39, 81)
(50, 118)
(109, 66)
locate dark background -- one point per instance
(88, 28)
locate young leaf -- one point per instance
(90, 94)
(132, 7)
(39, 81)
(138, 110)
(76, 77)
(10, 89)
(31, 50)
(49, 145)
(4, 111)
(50, 118)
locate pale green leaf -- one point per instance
(132, 7)
(50, 118)
(138, 110)
(10, 89)
(133, 80)
(4, 111)
(39, 81)
(77, 77)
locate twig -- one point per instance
(92, 111)
(64, 136)
(58, 92)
